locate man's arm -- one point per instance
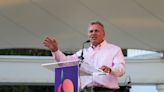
(118, 68)
(51, 43)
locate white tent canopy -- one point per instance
(128, 23)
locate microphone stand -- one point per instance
(81, 57)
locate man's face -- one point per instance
(96, 34)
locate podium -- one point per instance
(67, 74)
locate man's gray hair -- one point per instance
(96, 22)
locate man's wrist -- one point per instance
(54, 50)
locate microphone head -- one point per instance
(87, 41)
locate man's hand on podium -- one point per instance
(106, 69)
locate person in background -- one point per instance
(101, 54)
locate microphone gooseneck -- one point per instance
(81, 57)
(82, 52)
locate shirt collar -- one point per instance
(100, 45)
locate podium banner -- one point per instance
(66, 79)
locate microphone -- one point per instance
(82, 57)
(86, 41)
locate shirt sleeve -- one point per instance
(118, 66)
(59, 56)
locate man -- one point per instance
(100, 54)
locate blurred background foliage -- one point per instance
(25, 52)
(26, 88)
